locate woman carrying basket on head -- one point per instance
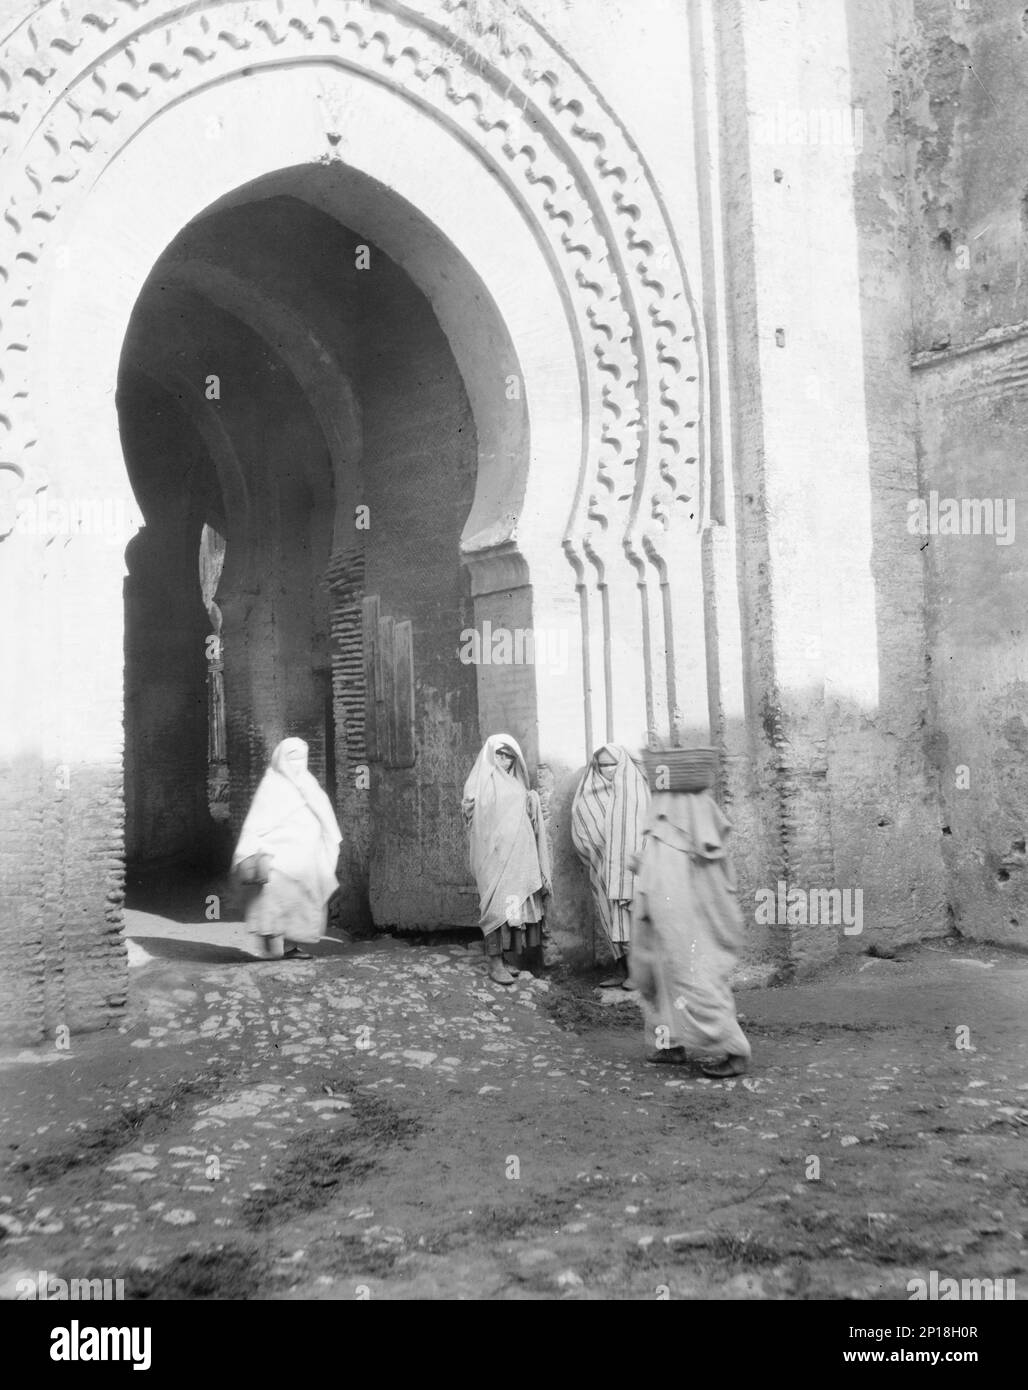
(687, 928)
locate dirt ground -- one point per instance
(384, 1122)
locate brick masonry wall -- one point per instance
(23, 802)
(63, 808)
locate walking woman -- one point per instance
(509, 855)
(687, 934)
(607, 818)
(290, 843)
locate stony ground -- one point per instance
(385, 1122)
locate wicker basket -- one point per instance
(684, 769)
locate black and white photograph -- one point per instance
(514, 665)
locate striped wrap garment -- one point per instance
(607, 820)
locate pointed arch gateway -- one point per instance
(492, 173)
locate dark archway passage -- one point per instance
(167, 824)
(286, 384)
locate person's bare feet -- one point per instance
(499, 973)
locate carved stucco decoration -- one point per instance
(77, 80)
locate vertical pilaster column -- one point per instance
(789, 151)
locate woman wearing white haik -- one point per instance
(289, 843)
(509, 855)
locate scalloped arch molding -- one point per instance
(83, 83)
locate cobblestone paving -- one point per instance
(387, 1122)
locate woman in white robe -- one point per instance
(607, 818)
(687, 934)
(509, 854)
(291, 821)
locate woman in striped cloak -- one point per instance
(607, 818)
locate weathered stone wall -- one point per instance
(61, 802)
(823, 419)
(966, 113)
(892, 834)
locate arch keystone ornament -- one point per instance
(472, 115)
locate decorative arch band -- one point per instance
(506, 90)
